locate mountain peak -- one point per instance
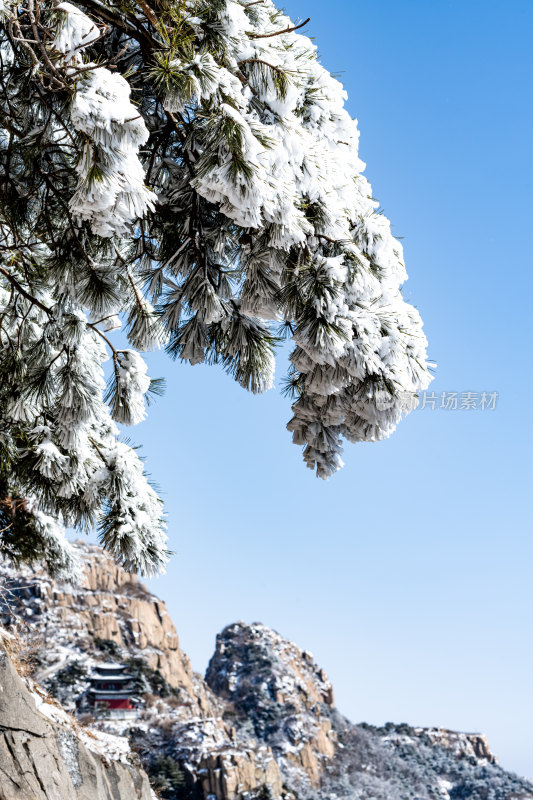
(261, 724)
(257, 659)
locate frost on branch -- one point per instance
(61, 461)
(128, 528)
(75, 31)
(111, 193)
(279, 155)
(259, 223)
(129, 388)
(61, 557)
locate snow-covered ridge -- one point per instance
(264, 715)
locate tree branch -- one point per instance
(278, 33)
(109, 14)
(261, 61)
(106, 340)
(149, 14)
(21, 290)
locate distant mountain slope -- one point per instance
(288, 701)
(263, 722)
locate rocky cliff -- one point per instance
(44, 755)
(262, 724)
(277, 687)
(110, 609)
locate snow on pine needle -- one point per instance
(74, 32)
(111, 193)
(192, 171)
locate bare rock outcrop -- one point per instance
(234, 773)
(111, 606)
(281, 690)
(463, 745)
(45, 760)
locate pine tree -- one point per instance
(185, 168)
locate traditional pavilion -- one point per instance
(110, 691)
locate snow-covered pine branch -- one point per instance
(190, 168)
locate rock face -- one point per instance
(279, 688)
(261, 725)
(232, 774)
(465, 745)
(114, 606)
(45, 760)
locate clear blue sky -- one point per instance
(409, 573)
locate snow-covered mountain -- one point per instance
(262, 724)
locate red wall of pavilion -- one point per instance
(123, 702)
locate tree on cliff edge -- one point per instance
(185, 168)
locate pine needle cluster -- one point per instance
(186, 169)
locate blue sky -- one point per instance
(409, 573)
